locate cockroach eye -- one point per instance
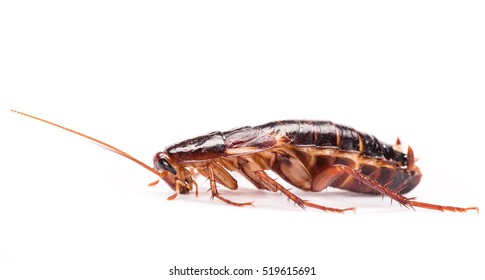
(163, 164)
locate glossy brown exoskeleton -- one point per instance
(310, 155)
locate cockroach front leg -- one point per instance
(266, 180)
(178, 185)
(215, 193)
(406, 202)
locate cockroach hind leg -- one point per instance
(442, 207)
(404, 201)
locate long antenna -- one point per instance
(105, 145)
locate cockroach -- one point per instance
(310, 155)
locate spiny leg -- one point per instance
(406, 202)
(215, 193)
(441, 207)
(265, 179)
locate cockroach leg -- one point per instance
(221, 176)
(441, 207)
(152, 184)
(172, 197)
(196, 189)
(194, 171)
(177, 190)
(265, 179)
(215, 193)
(374, 184)
(404, 201)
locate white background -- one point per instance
(144, 74)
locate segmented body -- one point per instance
(304, 153)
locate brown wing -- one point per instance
(248, 140)
(240, 141)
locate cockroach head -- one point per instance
(172, 173)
